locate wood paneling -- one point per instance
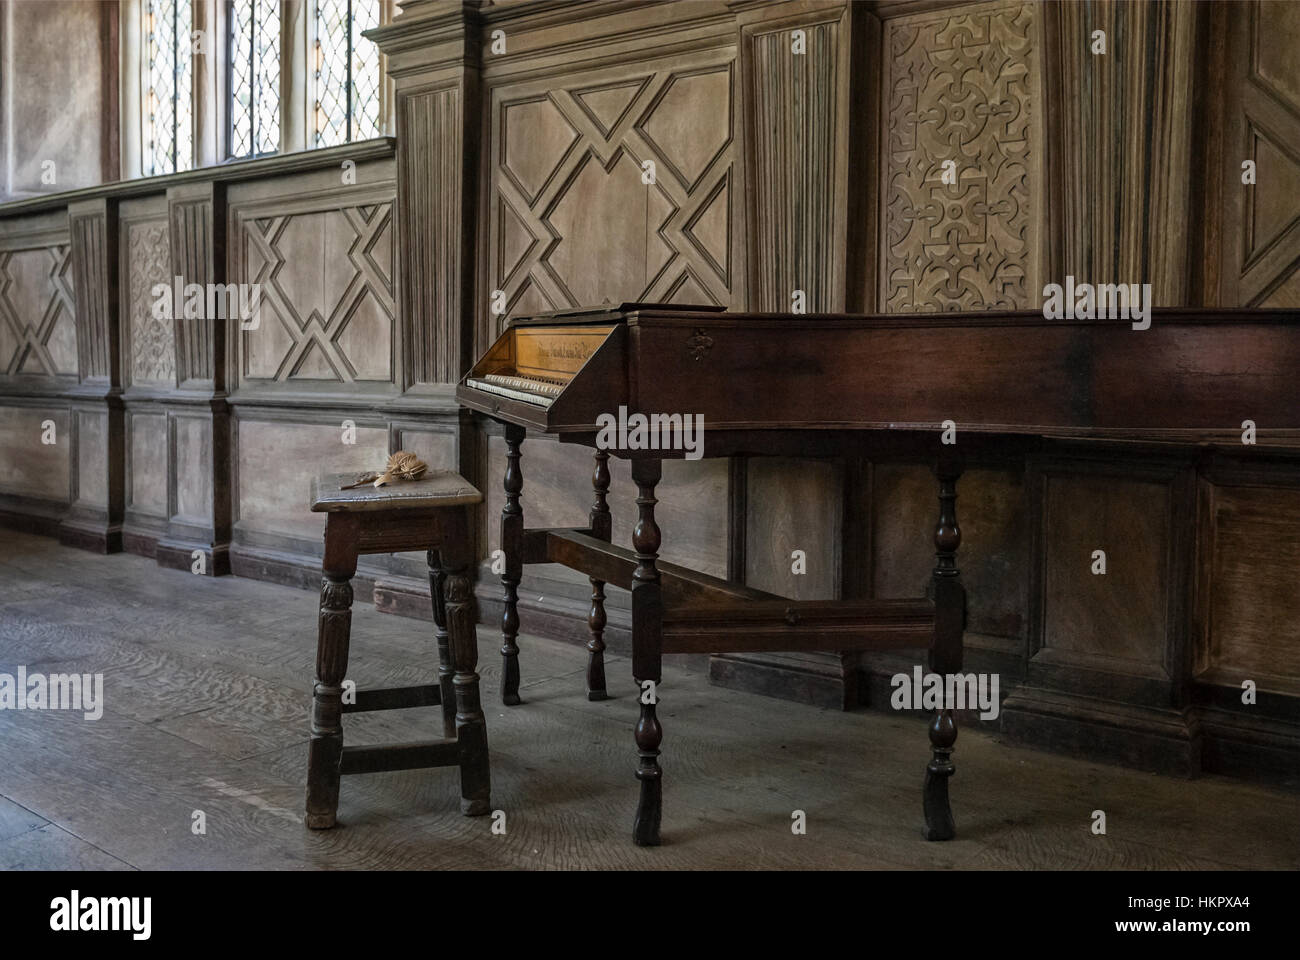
(197, 234)
(793, 505)
(278, 459)
(192, 480)
(29, 467)
(436, 448)
(796, 159)
(1121, 614)
(434, 168)
(1123, 148)
(557, 492)
(692, 516)
(992, 509)
(1254, 603)
(93, 228)
(147, 470)
(92, 458)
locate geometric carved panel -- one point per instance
(574, 225)
(327, 298)
(153, 350)
(38, 332)
(1257, 85)
(1280, 211)
(1270, 118)
(1273, 51)
(961, 87)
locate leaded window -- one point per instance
(347, 72)
(168, 130)
(254, 77)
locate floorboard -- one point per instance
(207, 686)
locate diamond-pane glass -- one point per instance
(241, 78)
(365, 71)
(168, 133)
(160, 118)
(266, 97)
(184, 83)
(347, 72)
(254, 77)
(332, 34)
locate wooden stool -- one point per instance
(432, 513)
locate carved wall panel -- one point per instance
(327, 298)
(572, 223)
(152, 340)
(962, 86)
(1263, 255)
(38, 333)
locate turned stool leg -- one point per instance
(471, 728)
(599, 521)
(647, 652)
(334, 629)
(437, 587)
(945, 654)
(512, 545)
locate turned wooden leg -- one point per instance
(512, 545)
(599, 522)
(333, 633)
(647, 652)
(471, 729)
(437, 588)
(945, 653)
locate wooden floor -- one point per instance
(207, 683)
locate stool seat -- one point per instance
(437, 488)
(434, 513)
